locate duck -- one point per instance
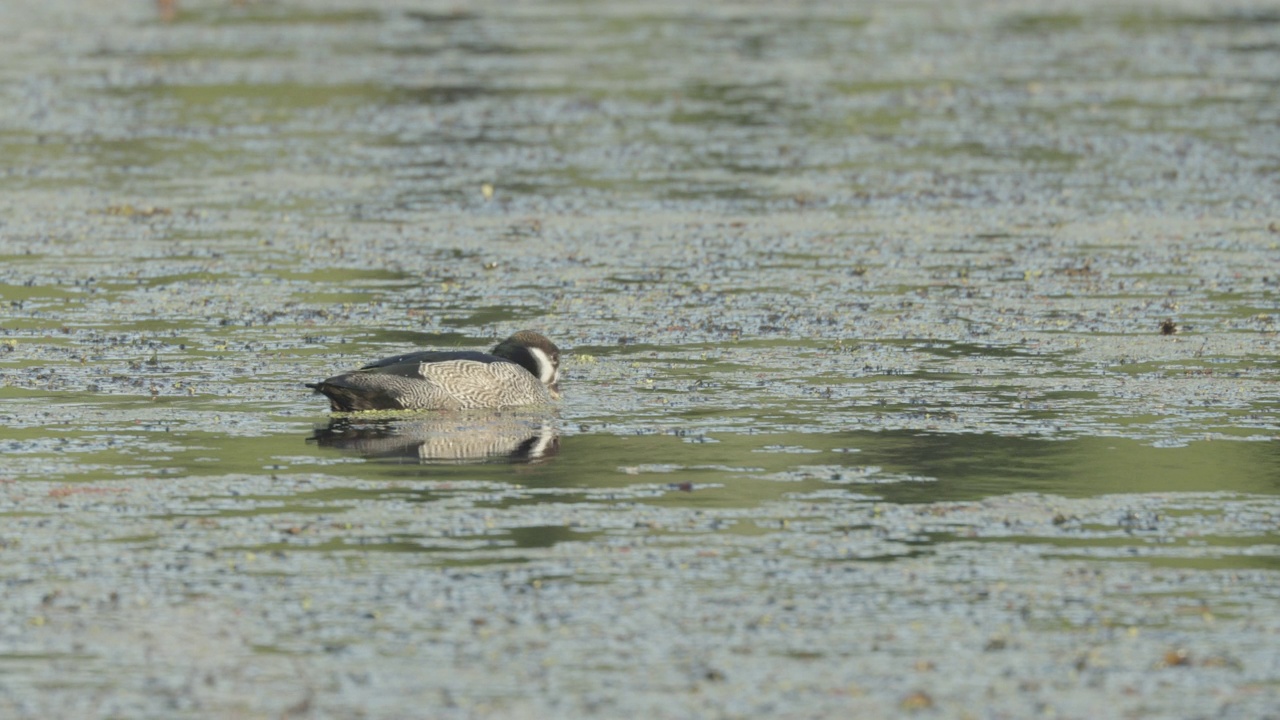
(522, 370)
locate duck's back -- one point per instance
(434, 356)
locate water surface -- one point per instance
(868, 404)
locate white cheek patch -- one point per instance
(547, 371)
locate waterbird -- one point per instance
(524, 369)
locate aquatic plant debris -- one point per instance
(918, 359)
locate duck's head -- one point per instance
(535, 353)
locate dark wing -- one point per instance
(431, 356)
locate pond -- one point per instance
(917, 359)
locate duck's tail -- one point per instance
(345, 399)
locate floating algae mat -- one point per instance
(918, 359)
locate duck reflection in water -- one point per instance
(445, 438)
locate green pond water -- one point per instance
(869, 405)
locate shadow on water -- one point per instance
(444, 438)
(498, 546)
(832, 474)
(744, 469)
(976, 466)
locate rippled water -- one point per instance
(868, 406)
